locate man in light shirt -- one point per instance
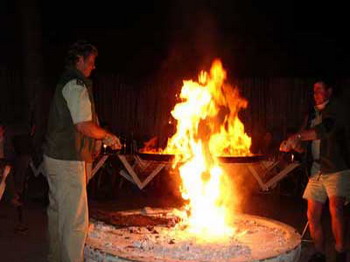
(72, 132)
(327, 133)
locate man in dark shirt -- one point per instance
(327, 135)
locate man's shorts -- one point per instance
(322, 186)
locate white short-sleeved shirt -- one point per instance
(78, 101)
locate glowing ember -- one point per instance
(207, 126)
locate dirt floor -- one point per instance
(115, 193)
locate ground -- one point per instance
(31, 245)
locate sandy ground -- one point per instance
(31, 245)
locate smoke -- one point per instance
(193, 40)
(241, 185)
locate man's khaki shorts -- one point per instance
(322, 186)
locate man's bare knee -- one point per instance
(314, 212)
(313, 217)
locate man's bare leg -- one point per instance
(336, 208)
(314, 213)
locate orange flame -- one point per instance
(207, 126)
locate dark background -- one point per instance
(146, 48)
(273, 50)
(140, 39)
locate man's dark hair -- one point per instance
(331, 83)
(326, 83)
(79, 48)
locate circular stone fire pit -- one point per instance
(149, 235)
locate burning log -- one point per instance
(146, 218)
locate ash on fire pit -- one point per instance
(255, 239)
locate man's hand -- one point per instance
(292, 143)
(285, 146)
(112, 141)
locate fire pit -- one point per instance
(207, 228)
(153, 235)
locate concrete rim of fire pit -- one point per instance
(108, 243)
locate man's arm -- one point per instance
(90, 129)
(79, 106)
(318, 132)
(307, 135)
(330, 117)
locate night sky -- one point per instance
(145, 39)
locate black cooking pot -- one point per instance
(223, 159)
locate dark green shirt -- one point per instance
(334, 134)
(63, 141)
